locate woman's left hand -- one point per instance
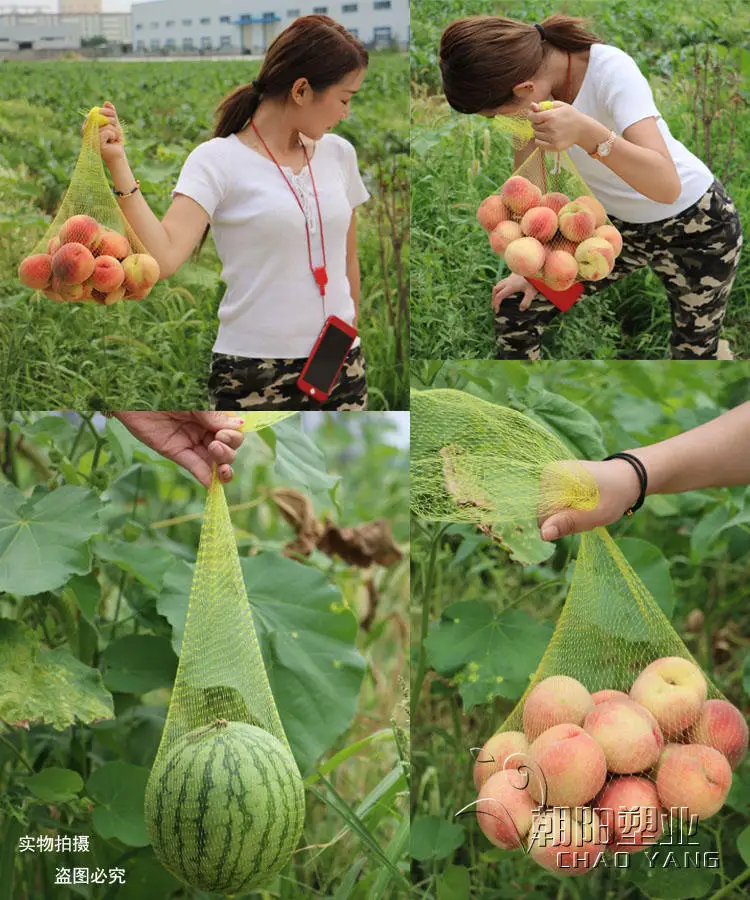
(558, 128)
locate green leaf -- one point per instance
(454, 883)
(172, 601)
(572, 424)
(121, 442)
(746, 674)
(434, 838)
(672, 873)
(43, 540)
(138, 663)
(743, 845)
(524, 543)
(146, 562)
(653, 568)
(301, 463)
(86, 593)
(50, 430)
(49, 686)
(55, 785)
(119, 789)
(493, 653)
(706, 531)
(147, 879)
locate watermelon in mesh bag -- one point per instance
(90, 253)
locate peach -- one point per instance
(54, 296)
(492, 757)
(108, 299)
(632, 813)
(566, 841)
(54, 245)
(554, 201)
(595, 257)
(572, 764)
(696, 777)
(141, 272)
(491, 212)
(540, 223)
(73, 264)
(673, 689)
(601, 696)
(590, 202)
(611, 234)
(561, 243)
(554, 701)
(627, 733)
(560, 270)
(81, 230)
(519, 194)
(140, 295)
(113, 244)
(576, 222)
(504, 234)
(36, 271)
(70, 292)
(504, 809)
(108, 274)
(722, 726)
(525, 256)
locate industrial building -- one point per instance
(40, 29)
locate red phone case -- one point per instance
(315, 392)
(563, 300)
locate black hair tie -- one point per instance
(640, 471)
(257, 85)
(539, 28)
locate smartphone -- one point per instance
(325, 362)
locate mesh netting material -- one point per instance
(89, 195)
(473, 461)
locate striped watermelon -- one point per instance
(225, 807)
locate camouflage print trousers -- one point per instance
(238, 382)
(695, 255)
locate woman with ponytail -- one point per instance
(674, 215)
(280, 192)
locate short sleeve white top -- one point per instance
(272, 307)
(615, 93)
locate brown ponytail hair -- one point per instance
(483, 57)
(312, 47)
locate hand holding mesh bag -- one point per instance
(618, 726)
(89, 252)
(225, 799)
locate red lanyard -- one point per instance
(320, 273)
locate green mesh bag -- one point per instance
(618, 724)
(89, 252)
(566, 234)
(225, 800)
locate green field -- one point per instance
(454, 168)
(156, 354)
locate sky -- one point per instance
(52, 6)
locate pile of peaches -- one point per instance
(86, 261)
(615, 766)
(550, 236)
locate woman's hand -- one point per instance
(513, 284)
(558, 128)
(111, 136)
(194, 440)
(619, 489)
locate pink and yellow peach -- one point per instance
(560, 270)
(627, 733)
(611, 234)
(73, 264)
(694, 779)
(554, 201)
(554, 701)
(601, 696)
(572, 764)
(598, 211)
(566, 841)
(525, 256)
(113, 244)
(576, 222)
(503, 235)
(54, 245)
(506, 745)
(141, 273)
(81, 230)
(595, 258)
(108, 275)
(504, 809)
(630, 809)
(540, 223)
(722, 726)
(36, 271)
(519, 194)
(673, 689)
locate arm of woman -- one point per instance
(352, 264)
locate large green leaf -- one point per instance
(172, 601)
(119, 789)
(138, 663)
(54, 785)
(572, 424)
(490, 654)
(49, 686)
(299, 462)
(43, 539)
(144, 561)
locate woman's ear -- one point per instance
(300, 89)
(523, 90)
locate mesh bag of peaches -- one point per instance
(545, 222)
(90, 253)
(619, 735)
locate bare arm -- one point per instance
(352, 264)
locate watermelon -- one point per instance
(225, 807)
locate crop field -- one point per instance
(696, 59)
(156, 354)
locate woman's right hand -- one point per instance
(111, 136)
(513, 284)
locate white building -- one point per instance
(80, 6)
(41, 30)
(249, 26)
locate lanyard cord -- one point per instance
(320, 273)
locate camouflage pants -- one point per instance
(238, 383)
(695, 256)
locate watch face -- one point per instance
(603, 149)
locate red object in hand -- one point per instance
(563, 300)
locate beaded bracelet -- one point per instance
(127, 193)
(640, 471)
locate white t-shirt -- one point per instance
(615, 93)
(272, 306)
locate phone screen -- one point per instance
(324, 365)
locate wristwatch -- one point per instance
(605, 148)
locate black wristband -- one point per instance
(640, 471)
